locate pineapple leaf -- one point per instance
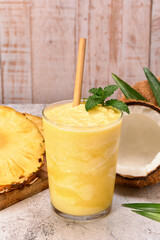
(154, 84)
(148, 207)
(152, 215)
(128, 91)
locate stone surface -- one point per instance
(34, 219)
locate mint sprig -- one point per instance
(99, 96)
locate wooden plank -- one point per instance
(91, 22)
(136, 39)
(0, 73)
(82, 15)
(15, 51)
(115, 41)
(155, 38)
(10, 198)
(53, 50)
(14, 1)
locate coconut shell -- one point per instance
(144, 89)
(151, 179)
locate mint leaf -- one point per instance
(117, 104)
(96, 91)
(92, 102)
(104, 93)
(110, 89)
(107, 92)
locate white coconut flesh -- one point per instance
(139, 152)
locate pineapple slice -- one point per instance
(37, 120)
(21, 149)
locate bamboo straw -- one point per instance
(79, 72)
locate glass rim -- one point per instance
(73, 126)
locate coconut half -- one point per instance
(139, 153)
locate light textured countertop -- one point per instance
(34, 219)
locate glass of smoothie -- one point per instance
(82, 150)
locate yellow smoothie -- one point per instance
(81, 149)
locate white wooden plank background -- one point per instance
(1, 92)
(15, 52)
(155, 38)
(39, 42)
(53, 49)
(97, 60)
(136, 39)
